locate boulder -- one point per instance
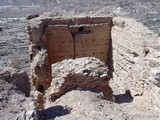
(86, 73)
(31, 16)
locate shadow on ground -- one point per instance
(53, 112)
(123, 98)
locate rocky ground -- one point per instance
(13, 104)
(14, 45)
(87, 105)
(76, 104)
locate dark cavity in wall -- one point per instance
(41, 89)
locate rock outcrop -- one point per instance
(14, 104)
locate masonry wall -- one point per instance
(128, 48)
(55, 39)
(134, 52)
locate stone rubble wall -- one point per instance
(135, 51)
(133, 57)
(40, 57)
(86, 73)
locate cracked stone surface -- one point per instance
(86, 73)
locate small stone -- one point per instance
(1, 28)
(21, 99)
(21, 116)
(85, 74)
(145, 74)
(156, 74)
(30, 113)
(31, 16)
(103, 75)
(1, 98)
(31, 118)
(61, 67)
(32, 105)
(152, 63)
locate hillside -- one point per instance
(24, 2)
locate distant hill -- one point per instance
(26, 2)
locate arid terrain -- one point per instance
(133, 98)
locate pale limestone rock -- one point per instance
(133, 49)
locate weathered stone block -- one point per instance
(86, 73)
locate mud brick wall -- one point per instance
(55, 39)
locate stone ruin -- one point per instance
(128, 49)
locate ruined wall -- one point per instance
(87, 73)
(55, 39)
(78, 41)
(130, 50)
(134, 52)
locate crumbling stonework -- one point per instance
(134, 48)
(136, 62)
(129, 49)
(19, 79)
(86, 73)
(55, 39)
